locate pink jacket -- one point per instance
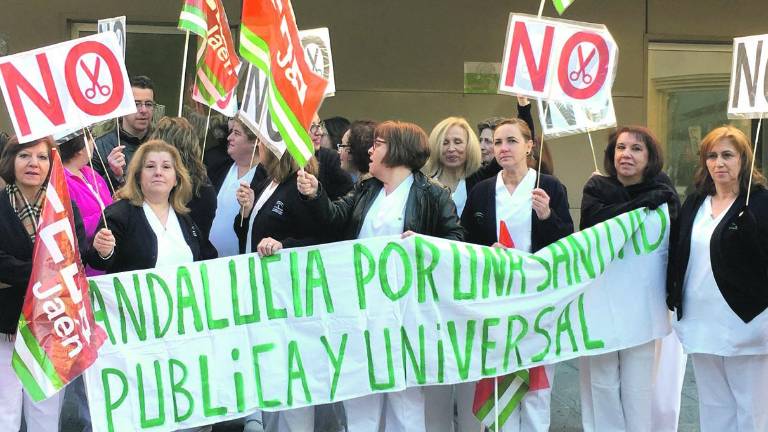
(83, 196)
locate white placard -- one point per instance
(117, 26)
(748, 96)
(317, 51)
(65, 86)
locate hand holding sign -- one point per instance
(116, 160)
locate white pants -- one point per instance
(296, 420)
(403, 412)
(668, 383)
(438, 407)
(617, 388)
(733, 392)
(40, 417)
(532, 415)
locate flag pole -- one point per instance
(754, 153)
(106, 169)
(541, 147)
(95, 183)
(496, 403)
(183, 72)
(541, 7)
(205, 134)
(592, 146)
(253, 156)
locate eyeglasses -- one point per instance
(378, 142)
(146, 104)
(318, 128)
(340, 147)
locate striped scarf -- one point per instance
(29, 213)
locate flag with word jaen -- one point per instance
(509, 389)
(217, 64)
(270, 41)
(56, 340)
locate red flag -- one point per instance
(56, 340)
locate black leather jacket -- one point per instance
(429, 209)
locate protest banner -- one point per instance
(571, 65)
(68, 85)
(56, 338)
(214, 340)
(748, 95)
(269, 40)
(226, 106)
(317, 50)
(115, 25)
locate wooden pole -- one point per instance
(183, 72)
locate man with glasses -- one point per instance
(134, 130)
(335, 180)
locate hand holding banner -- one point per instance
(65, 86)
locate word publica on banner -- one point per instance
(749, 78)
(548, 58)
(346, 349)
(297, 284)
(66, 86)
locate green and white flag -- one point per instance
(561, 5)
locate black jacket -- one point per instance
(738, 252)
(16, 261)
(429, 209)
(202, 210)
(105, 144)
(606, 197)
(479, 217)
(335, 180)
(135, 242)
(283, 217)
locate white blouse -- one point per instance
(387, 213)
(459, 196)
(172, 248)
(515, 209)
(222, 233)
(709, 325)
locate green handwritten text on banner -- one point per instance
(214, 340)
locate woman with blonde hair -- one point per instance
(149, 224)
(718, 284)
(454, 155)
(179, 132)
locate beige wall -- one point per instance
(404, 58)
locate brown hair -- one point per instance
(360, 140)
(179, 132)
(14, 147)
(248, 132)
(525, 131)
(436, 137)
(407, 144)
(180, 194)
(280, 169)
(702, 178)
(655, 156)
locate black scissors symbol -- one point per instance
(586, 78)
(93, 75)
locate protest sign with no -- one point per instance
(571, 65)
(65, 86)
(748, 97)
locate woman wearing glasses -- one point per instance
(337, 182)
(397, 199)
(353, 150)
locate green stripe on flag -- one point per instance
(39, 354)
(511, 390)
(561, 5)
(193, 19)
(212, 79)
(254, 49)
(294, 148)
(27, 379)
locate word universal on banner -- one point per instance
(215, 340)
(66, 86)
